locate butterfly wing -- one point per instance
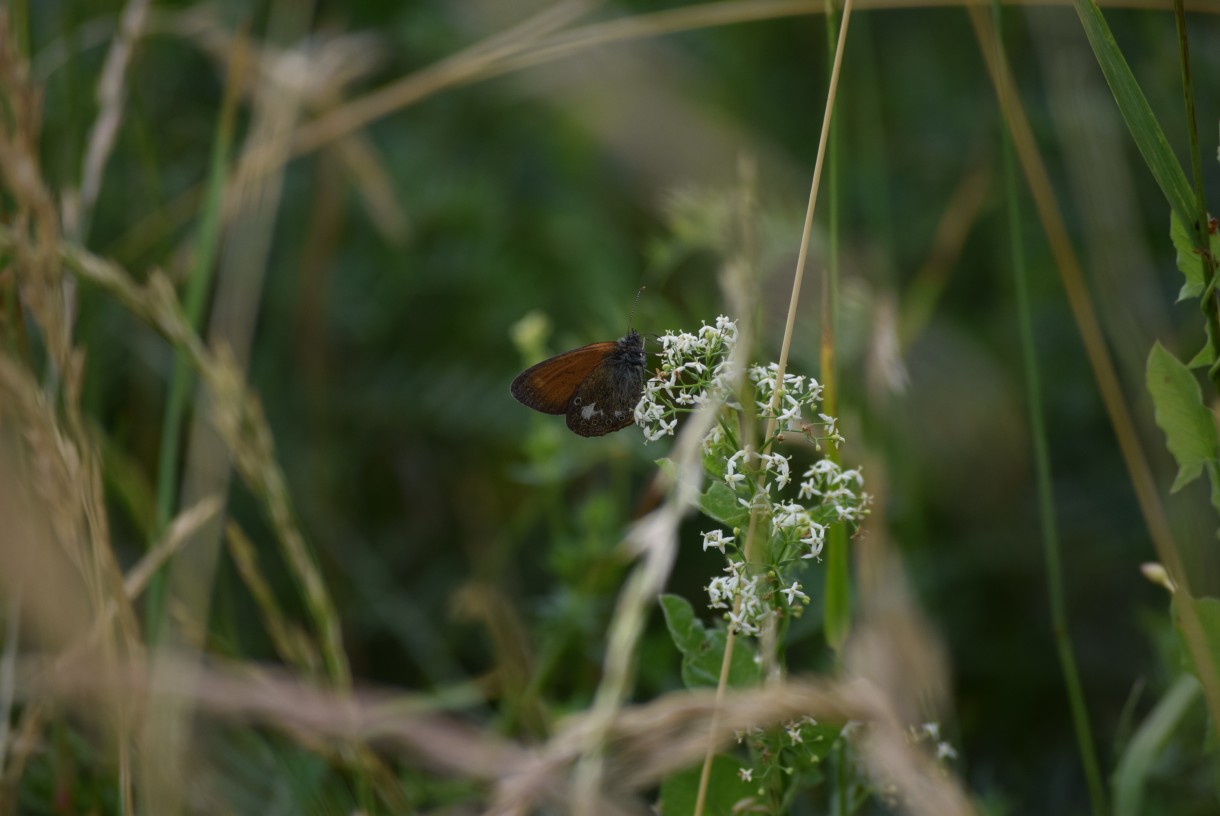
(605, 400)
(550, 385)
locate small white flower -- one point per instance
(759, 502)
(731, 476)
(794, 732)
(852, 475)
(717, 539)
(832, 428)
(791, 413)
(793, 592)
(815, 539)
(945, 751)
(777, 464)
(746, 774)
(735, 621)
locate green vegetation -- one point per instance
(940, 537)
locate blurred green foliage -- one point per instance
(384, 364)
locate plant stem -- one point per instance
(1042, 466)
(1210, 302)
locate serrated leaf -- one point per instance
(1189, 426)
(725, 789)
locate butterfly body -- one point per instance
(596, 386)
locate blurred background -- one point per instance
(471, 187)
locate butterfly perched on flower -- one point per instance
(596, 386)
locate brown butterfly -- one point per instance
(597, 386)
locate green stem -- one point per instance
(1046, 500)
(837, 595)
(198, 286)
(1210, 302)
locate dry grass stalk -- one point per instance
(644, 743)
(35, 223)
(292, 645)
(111, 97)
(60, 532)
(237, 413)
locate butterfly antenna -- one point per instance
(634, 303)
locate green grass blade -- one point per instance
(836, 603)
(198, 286)
(1146, 131)
(1139, 760)
(1045, 482)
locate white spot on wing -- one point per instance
(589, 410)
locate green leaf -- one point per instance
(836, 606)
(1204, 357)
(720, 503)
(1213, 475)
(685, 629)
(1145, 130)
(717, 502)
(1140, 758)
(1190, 428)
(1187, 258)
(703, 649)
(725, 789)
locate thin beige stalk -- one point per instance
(656, 537)
(535, 44)
(177, 534)
(111, 98)
(799, 275)
(238, 416)
(777, 396)
(648, 742)
(464, 66)
(291, 644)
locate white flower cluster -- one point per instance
(836, 488)
(695, 369)
(799, 393)
(930, 732)
(742, 596)
(791, 520)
